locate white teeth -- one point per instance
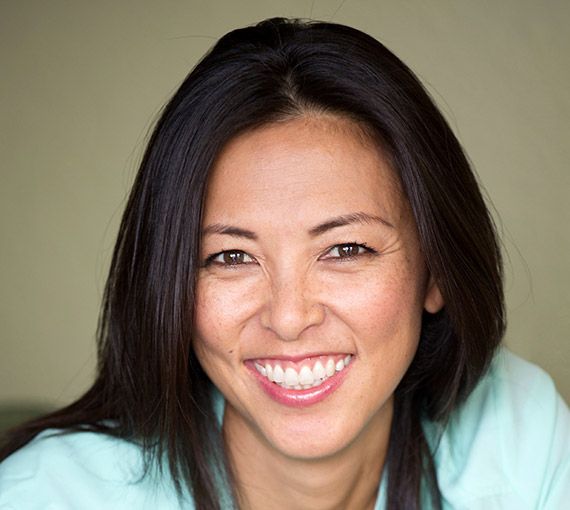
(319, 371)
(278, 374)
(306, 376)
(291, 377)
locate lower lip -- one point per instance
(300, 398)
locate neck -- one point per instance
(266, 478)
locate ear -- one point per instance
(433, 302)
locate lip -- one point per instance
(299, 398)
(299, 357)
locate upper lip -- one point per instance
(299, 357)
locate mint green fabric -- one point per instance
(507, 447)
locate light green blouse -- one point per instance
(507, 447)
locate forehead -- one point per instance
(306, 165)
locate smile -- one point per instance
(306, 374)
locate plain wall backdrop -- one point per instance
(81, 84)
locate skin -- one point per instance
(292, 292)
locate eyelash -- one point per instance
(212, 259)
(366, 251)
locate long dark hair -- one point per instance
(149, 387)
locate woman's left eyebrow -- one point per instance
(347, 219)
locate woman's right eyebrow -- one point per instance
(220, 228)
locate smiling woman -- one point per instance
(318, 306)
(304, 308)
(321, 278)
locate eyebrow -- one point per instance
(347, 219)
(321, 228)
(220, 228)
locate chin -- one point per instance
(313, 446)
(315, 437)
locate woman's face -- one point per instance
(311, 291)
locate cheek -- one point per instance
(381, 309)
(222, 308)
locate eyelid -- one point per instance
(211, 259)
(367, 250)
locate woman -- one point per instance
(304, 308)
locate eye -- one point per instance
(348, 251)
(230, 258)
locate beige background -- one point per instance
(81, 83)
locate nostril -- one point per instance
(290, 324)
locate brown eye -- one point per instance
(348, 250)
(233, 257)
(230, 258)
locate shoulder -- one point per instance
(509, 443)
(80, 470)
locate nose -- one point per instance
(291, 308)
